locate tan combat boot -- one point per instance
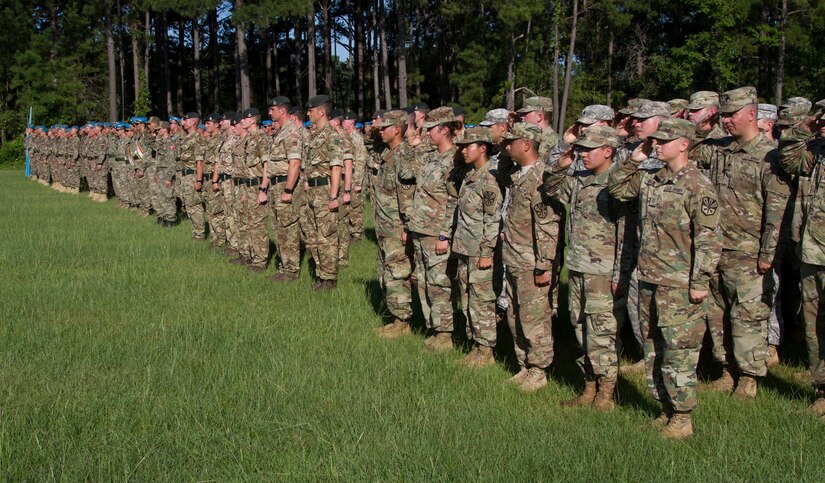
(519, 377)
(664, 417)
(398, 328)
(635, 368)
(604, 396)
(440, 342)
(746, 388)
(773, 359)
(724, 383)
(680, 426)
(818, 406)
(585, 398)
(480, 356)
(536, 379)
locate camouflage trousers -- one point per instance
(397, 265)
(229, 211)
(97, 176)
(673, 329)
(239, 214)
(740, 292)
(161, 192)
(356, 215)
(118, 182)
(214, 206)
(71, 175)
(633, 307)
(56, 170)
(193, 204)
(529, 322)
(596, 317)
(320, 229)
(478, 300)
(286, 228)
(813, 317)
(141, 188)
(254, 228)
(434, 284)
(344, 235)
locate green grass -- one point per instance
(129, 351)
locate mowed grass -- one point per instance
(130, 352)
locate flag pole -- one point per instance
(28, 161)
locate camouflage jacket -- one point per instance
(286, 145)
(359, 161)
(190, 150)
(680, 239)
(211, 153)
(322, 151)
(72, 150)
(95, 149)
(477, 219)
(165, 158)
(433, 208)
(803, 154)
(753, 193)
(225, 163)
(601, 235)
(388, 192)
(531, 227)
(549, 139)
(255, 154)
(238, 155)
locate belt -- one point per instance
(278, 179)
(224, 177)
(207, 175)
(246, 181)
(188, 171)
(313, 182)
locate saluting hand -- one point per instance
(571, 135)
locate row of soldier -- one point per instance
(477, 216)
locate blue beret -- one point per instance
(359, 125)
(307, 124)
(266, 123)
(201, 126)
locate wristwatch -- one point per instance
(442, 238)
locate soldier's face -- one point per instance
(670, 150)
(497, 130)
(765, 125)
(699, 116)
(314, 114)
(388, 133)
(736, 123)
(535, 117)
(349, 124)
(645, 127)
(472, 153)
(596, 159)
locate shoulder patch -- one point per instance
(489, 198)
(709, 205)
(541, 210)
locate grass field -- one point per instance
(130, 352)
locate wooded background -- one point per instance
(77, 60)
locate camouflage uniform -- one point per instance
(238, 201)
(322, 152)
(752, 197)
(477, 225)
(213, 200)
(190, 152)
(680, 246)
(600, 251)
(96, 165)
(531, 243)
(287, 145)
(549, 138)
(359, 182)
(71, 156)
(344, 235)
(225, 169)
(803, 154)
(118, 165)
(160, 171)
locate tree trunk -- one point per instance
(610, 68)
(162, 37)
(359, 56)
(214, 72)
(146, 42)
(53, 29)
(268, 66)
(568, 64)
(556, 53)
(328, 68)
(196, 67)
(299, 47)
(179, 70)
(312, 88)
(276, 73)
(135, 61)
(375, 83)
(385, 62)
(110, 56)
(121, 61)
(511, 73)
(243, 64)
(780, 59)
(402, 53)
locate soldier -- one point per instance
(428, 226)
(140, 154)
(594, 115)
(537, 110)
(348, 155)
(678, 108)
(70, 157)
(766, 117)
(680, 246)
(752, 199)
(190, 174)
(598, 261)
(160, 169)
(624, 123)
(359, 165)
(322, 165)
(703, 111)
(97, 168)
(802, 153)
(395, 256)
(477, 226)
(530, 243)
(212, 196)
(286, 193)
(119, 166)
(251, 160)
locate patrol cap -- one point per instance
(595, 113)
(734, 100)
(350, 116)
(439, 115)
(164, 125)
(702, 99)
(317, 101)
(766, 111)
(652, 108)
(820, 107)
(192, 115)
(670, 129)
(598, 136)
(633, 105)
(266, 123)
(495, 116)
(249, 113)
(677, 105)
(214, 117)
(524, 130)
(797, 106)
(788, 118)
(536, 103)
(476, 135)
(335, 114)
(280, 101)
(395, 117)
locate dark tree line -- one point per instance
(74, 60)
